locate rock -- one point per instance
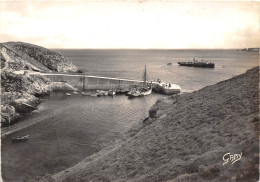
(8, 115)
(19, 90)
(25, 103)
(33, 84)
(50, 59)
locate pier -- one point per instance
(83, 82)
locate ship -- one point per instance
(143, 90)
(197, 63)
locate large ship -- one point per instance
(144, 89)
(197, 63)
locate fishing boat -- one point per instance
(93, 94)
(197, 63)
(111, 92)
(122, 91)
(85, 93)
(143, 90)
(102, 92)
(20, 139)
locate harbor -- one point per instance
(129, 91)
(85, 113)
(83, 82)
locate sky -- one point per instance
(131, 24)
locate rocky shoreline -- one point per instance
(184, 139)
(21, 93)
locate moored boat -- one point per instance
(93, 94)
(85, 93)
(122, 91)
(102, 92)
(143, 90)
(68, 94)
(111, 92)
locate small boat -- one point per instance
(111, 92)
(93, 94)
(20, 139)
(76, 93)
(102, 92)
(196, 63)
(68, 94)
(169, 64)
(85, 93)
(122, 91)
(143, 90)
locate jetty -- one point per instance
(81, 81)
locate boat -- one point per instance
(93, 94)
(197, 63)
(75, 92)
(169, 64)
(68, 94)
(122, 91)
(143, 90)
(20, 139)
(166, 88)
(102, 92)
(85, 93)
(111, 92)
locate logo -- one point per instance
(228, 157)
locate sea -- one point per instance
(70, 128)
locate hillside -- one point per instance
(49, 59)
(185, 138)
(20, 92)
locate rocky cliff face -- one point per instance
(20, 91)
(50, 59)
(185, 139)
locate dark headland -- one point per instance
(185, 138)
(20, 93)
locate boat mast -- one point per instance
(144, 75)
(83, 83)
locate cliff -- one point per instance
(50, 59)
(20, 92)
(185, 138)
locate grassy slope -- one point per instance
(185, 139)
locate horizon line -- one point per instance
(161, 48)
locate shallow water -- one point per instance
(73, 127)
